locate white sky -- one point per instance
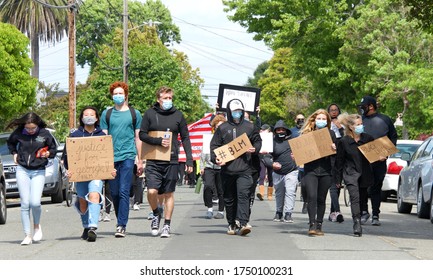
(222, 50)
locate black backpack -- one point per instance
(108, 115)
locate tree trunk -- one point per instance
(35, 55)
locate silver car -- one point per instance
(55, 174)
(416, 180)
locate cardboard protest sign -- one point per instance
(380, 147)
(311, 146)
(90, 158)
(234, 149)
(206, 143)
(267, 142)
(157, 152)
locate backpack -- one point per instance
(108, 115)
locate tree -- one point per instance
(258, 73)
(38, 21)
(17, 87)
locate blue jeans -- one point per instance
(91, 216)
(30, 186)
(120, 188)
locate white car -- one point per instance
(394, 165)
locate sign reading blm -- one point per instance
(311, 146)
(90, 158)
(234, 149)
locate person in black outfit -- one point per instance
(377, 125)
(352, 167)
(237, 174)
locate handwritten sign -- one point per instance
(250, 96)
(311, 146)
(157, 152)
(90, 158)
(267, 142)
(206, 143)
(375, 149)
(234, 149)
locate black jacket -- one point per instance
(227, 132)
(156, 119)
(26, 146)
(351, 165)
(322, 166)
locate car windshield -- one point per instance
(3, 146)
(405, 148)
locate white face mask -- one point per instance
(89, 120)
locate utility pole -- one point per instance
(125, 41)
(71, 36)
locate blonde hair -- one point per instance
(348, 121)
(310, 123)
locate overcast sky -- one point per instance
(222, 50)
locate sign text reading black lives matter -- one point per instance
(234, 149)
(90, 158)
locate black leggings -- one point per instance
(317, 190)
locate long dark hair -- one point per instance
(27, 118)
(82, 113)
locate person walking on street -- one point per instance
(352, 167)
(89, 193)
(122, 122)
(237, 175)
(162, 176)
(31, 145)
(318, 173)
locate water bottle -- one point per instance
(167, 134)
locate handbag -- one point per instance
(198, 185)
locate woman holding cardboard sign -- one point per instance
(89, 193)
(318, 176)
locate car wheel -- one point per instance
(3, 208)
(58, 196)
(402, 207)
(422, 207)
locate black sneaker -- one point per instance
(278, 217)
(375, 221)
(120, 232)
(288, 218)
(85, 234)
(154, 225)
(364, 217)
(92, 234)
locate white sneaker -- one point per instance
(165, 233)
(107, 217)
(37, 236)
(136, 207)
(27, 240)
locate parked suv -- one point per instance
(56, 181)
(3, 209)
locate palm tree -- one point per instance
(39, 20)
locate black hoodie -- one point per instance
(157, 119)
(227, 132)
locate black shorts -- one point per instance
(162, 177)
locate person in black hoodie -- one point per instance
(237, 174)
(31, 146)
(285, 172)
(161, 176)
(89, 193)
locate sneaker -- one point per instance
(288, 218)
(277, 217)
(154, 225)
(107, 217)
(136, 207)
(339, 217)
(150, 216)
(219, 215)
(27, 240)
(332, 217)
(209, 215)
(37, 236)
(91, 234)
(101, 216)
(244, 230)
(364, 217)
(305, 208)
(120, 232)
(231, 230)
(248, 226)
(375, 221)
(312, 230)
(165, 232)
(85, 234)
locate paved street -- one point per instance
(401, 237)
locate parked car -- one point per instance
(416, 180)
(56, 180)
(394, 165)
(3, 209)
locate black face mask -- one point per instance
(299, 123)
(363, 110)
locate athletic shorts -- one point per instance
(162, 177)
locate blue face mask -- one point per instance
(359, 129)
(321, 123)
(119, 99)
(167, 104)
(237, 114)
